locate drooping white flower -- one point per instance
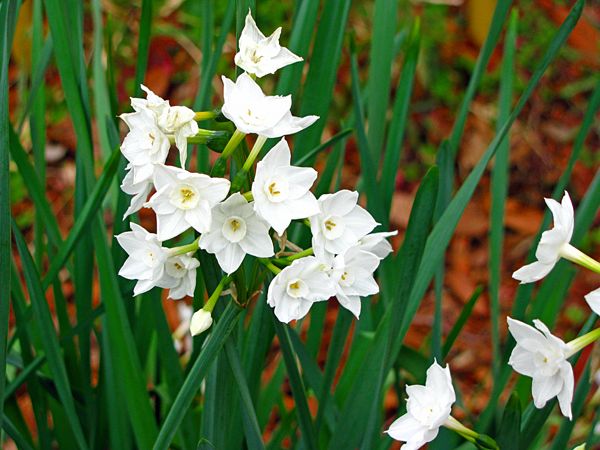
(176, 120)
(543, 357)
(281, 191)
(152, 102)
(427, 409)
(352, 274)
(179, 120)
(339, 224)
(182, 270)
(260, 55)
(201, 321)
(146, 261)
(140, 191)
(293, 291)
(252, 111)
(144, 145)
(183, 200)
(377, 243)
(236, 231)
(554, 243)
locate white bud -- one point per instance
(201, 321)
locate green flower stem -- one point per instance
(248, 196)
(269, 265)
(175, 251)
(578, 343)
(307, 252)
(465, 432)
(210, 304)
(258, 145)
(575, 255)
(236, 138)
(204, 115)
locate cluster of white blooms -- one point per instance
(230, 224)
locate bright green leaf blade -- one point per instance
(309, 437)
(143, 46)
(50, 340)
(460, 322)
(508, 434)
(192, 383)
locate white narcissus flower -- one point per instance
(293, 291)
(281, 191)
(339, 224)
(140, 191)
(554, 243)
(144, 145)
(252, 111)
(260, 55)
(183, 200)
(236, 231)
(543, 357)
(377, 243)
(152, 102)
(179, 120)
(146, 261)
(427, 409)
(352, 274)
(180, 270)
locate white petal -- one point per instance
(532, 272)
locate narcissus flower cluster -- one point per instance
(247, 213)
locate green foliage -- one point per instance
(144, 395)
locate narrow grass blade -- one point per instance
(500, 14)
(368, 164)
(128, 371)
(460, 322)
(253, 434)
(397, 127)
(50, 340)
(380, 73)
(324, 61)
(499, 186)
(10, 429)
(303, 26)
(508, 435)
(8, 16)
(304, 161)
(201, 366)
(145, 28)
(88, 212)
(307, 429)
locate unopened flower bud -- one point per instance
(201, 321)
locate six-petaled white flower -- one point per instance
(293, 291)
(183, 200)
(252, 111)
(261, 55)
(235, 232)
(180, 270)
(543, 357)
(352, 274)
(554, 243)
(427, 409)
(145, 145)
(281, 191)
(339, 224)
(146, 261)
